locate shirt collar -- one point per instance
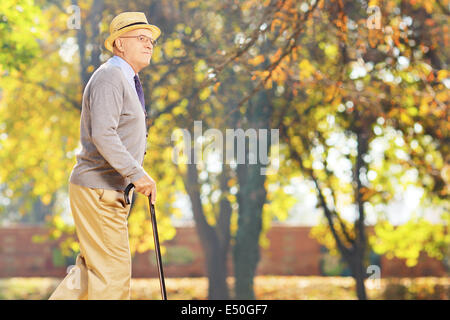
(127, 70)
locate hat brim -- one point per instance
(110, 40)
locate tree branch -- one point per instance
(328, 214)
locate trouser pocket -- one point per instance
(111, 198)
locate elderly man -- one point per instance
(113, 137)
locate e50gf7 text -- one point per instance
(245, 309)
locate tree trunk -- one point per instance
(359, 274)
(217, 271)
(219, 246)
(83, 40)
(251, 198)
(215, 241)
(360, 245)
(246, 249)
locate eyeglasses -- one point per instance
(143, 39)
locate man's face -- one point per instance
(137, 52)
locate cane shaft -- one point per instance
(157, 250)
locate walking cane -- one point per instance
(155, 238)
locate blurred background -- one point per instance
(348, 100)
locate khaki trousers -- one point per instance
(103, 266)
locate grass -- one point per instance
(266, 288)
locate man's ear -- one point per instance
(118, 45)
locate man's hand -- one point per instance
(147, 186)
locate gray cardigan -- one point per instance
(113, 132)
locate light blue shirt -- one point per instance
(127, 70)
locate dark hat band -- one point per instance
(132, 24)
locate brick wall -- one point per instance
(291, 252)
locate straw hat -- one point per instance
(127, 21)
